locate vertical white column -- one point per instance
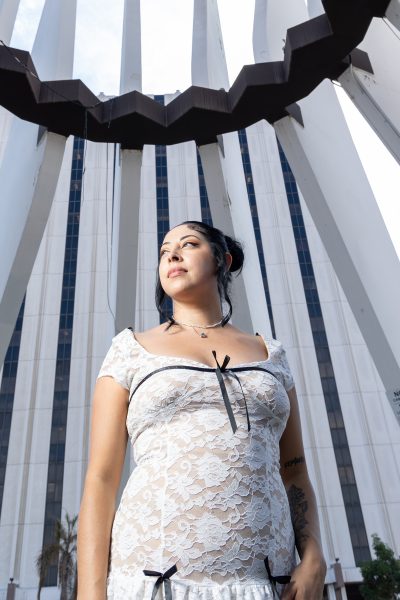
(131, 57)
(373, 435)
(127, 198)
(53, 49)
(183, 183)
(393, 13)
(183, 180)
(209, 67)
(8, 13)
(269, 32)
(224, 173)
(126, 237)
(93, 326)
(146, 313)
(338, 195)
(294, 330)
(26, 204)
(126, 216)
(21, 525)
(377, 94)
(27, 200)
(6, 119)
(220, 207)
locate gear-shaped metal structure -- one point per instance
(317, 49)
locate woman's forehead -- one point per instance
(179, 231)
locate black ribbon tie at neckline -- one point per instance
(163, 578)
(222, 369)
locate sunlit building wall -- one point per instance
(65, 326)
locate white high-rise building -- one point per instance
(73, 307)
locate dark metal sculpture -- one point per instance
(315, 50)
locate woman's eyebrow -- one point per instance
(182, 238)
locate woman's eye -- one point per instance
(162, 252)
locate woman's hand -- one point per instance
(307, 581)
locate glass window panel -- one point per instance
(339, 438)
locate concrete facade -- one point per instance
(94, 274)
(373, 433)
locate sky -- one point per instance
(166, 60)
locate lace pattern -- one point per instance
(210, 501)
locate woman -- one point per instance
(220, 495)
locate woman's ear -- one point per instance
(228, 260)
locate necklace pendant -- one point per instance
(203, 335)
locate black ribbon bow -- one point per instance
(162, 578)
(219, 370)
(277, 579)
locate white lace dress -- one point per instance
(205, 504)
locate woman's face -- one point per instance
(187, 263)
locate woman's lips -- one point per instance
(175, 273)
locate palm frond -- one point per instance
(62, 552)
(46, 557)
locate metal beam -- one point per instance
(374, 90)
(315, 49)
(27, 200)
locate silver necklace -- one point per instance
(202, 334)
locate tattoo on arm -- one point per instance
(298, 509)
(297, 460)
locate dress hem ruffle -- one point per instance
(141, 588)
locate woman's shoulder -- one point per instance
(127, 342)
(130, 330)
(274, 345)
(121, 358)
(147, 335)
(279, 360)
(122, 338)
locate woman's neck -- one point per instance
(198, 316)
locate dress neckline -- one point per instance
(192, 360)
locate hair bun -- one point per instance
(236, 250)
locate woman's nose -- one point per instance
(174, 255)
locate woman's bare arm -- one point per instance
(308, 577)
(108, 441)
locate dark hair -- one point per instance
(220, 243)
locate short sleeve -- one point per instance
(117, 363)
(280, 360)
(286, 372)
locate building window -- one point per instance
(7, 392)
(55, 474)
(162, 203)
(344, 463)
(244, 149)
(205, 206)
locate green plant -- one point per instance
(382, 574)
